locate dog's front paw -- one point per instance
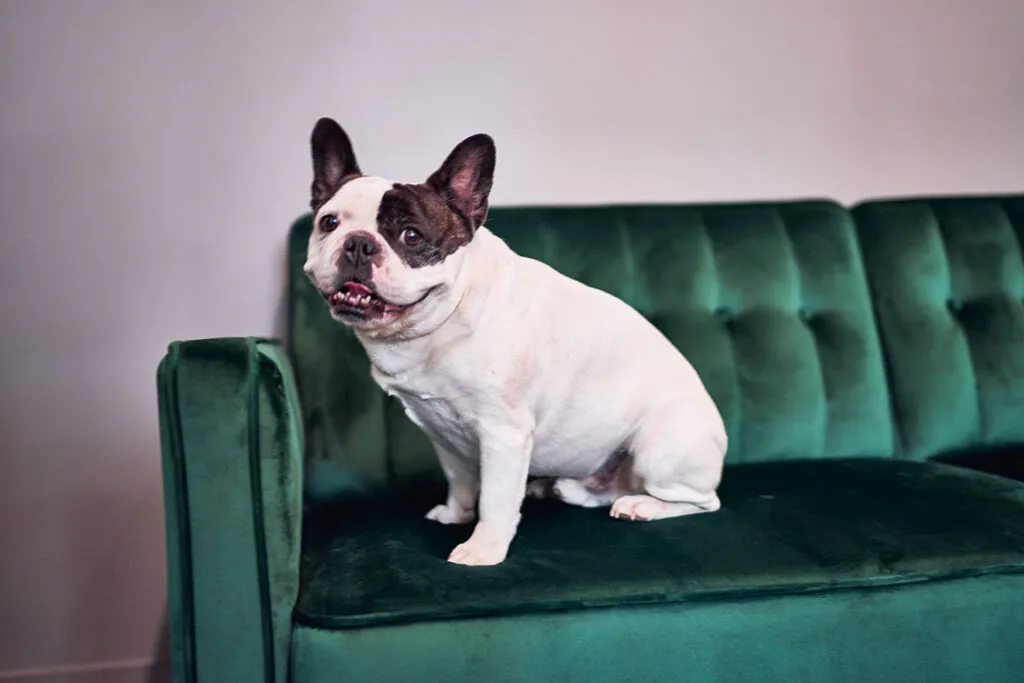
(480, 551)
(446, 514)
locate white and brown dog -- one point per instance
(511, 369)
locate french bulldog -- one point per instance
(511, 369)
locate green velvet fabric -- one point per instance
(342, 408)
(784, 528)
(947, 279)
(963, 631)
(768, 301)
(231, 443)
(825, 342)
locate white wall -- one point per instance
(152, 156)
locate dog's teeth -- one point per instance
(366, 300)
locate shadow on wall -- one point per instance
(160, 670)
(280, 322)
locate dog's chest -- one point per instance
(434, 408)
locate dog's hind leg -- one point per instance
(678, 475)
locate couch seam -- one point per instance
(294, 418)
(737, 387)
(900, 440)
(661, 600)
(1014, 235)
(637, 286)
(259, 529)
(938, 223)
(801, 306)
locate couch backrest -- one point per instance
(947, 283)
(768, 301)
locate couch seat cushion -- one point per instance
(785, 527)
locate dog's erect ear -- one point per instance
(465, 177)
(333, 160)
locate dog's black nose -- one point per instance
(359, 248)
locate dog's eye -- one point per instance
(411, 238)
(328, 222)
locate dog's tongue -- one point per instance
(356, 288)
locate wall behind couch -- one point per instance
(152, 155)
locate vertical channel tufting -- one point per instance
(838, 316)
(780, 371)
(729, 398)
(984, 252)
(952, 296)
(804, 314)
(546, 237)
(634, 290)
(725, 283)
(955, 343)
(716, 301)
(1015, 222)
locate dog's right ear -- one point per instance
(333, 160)
(465, 178)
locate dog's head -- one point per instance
(385, 255)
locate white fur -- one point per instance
(512, 369)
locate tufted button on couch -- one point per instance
(853, 352)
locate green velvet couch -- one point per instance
(853, 353)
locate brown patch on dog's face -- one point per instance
(420, 226)
(427, 222)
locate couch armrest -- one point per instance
(231, 443)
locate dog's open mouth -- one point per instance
(356, 300)
(359, 300)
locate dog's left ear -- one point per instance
(464, 179)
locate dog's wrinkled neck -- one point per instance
(466, 299)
